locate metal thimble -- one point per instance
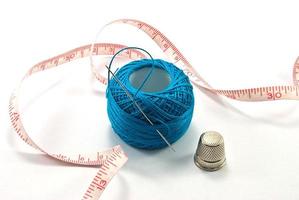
(210, 154)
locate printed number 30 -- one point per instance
(274, 96)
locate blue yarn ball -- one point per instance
(170, 110)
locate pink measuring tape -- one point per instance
(111, 160)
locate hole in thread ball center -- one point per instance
(158, 81)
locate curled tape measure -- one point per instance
(111, 160)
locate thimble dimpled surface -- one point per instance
(210, 153)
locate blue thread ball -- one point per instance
(170, 109)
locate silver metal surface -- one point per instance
(210, 153)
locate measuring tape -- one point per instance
(111, 160)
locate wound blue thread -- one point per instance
(170, 110)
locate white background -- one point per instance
(233, 44)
